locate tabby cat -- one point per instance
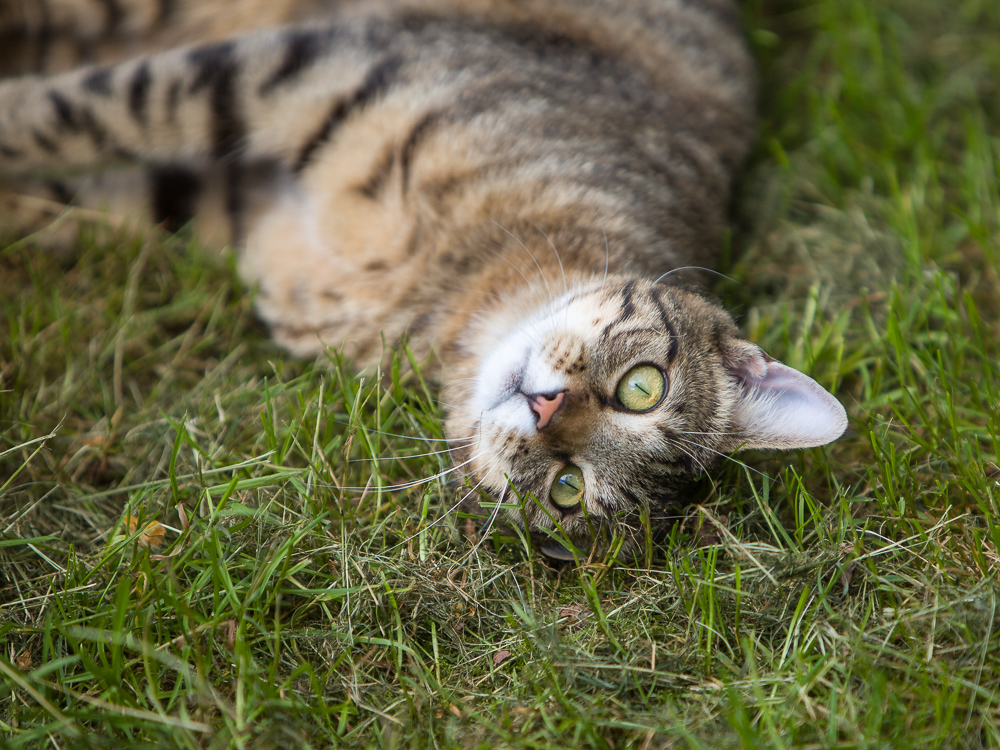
(504, 182)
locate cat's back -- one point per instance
(691, 44)
(414, 133)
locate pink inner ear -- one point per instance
(779, 407)
(755, 367)
(778, 377)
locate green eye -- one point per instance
(642, 388)
(567, 489)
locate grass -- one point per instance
(184, 563)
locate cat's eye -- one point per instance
(567, 489)
(642, 388)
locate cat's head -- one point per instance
(604, 404)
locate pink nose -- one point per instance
(545, 407)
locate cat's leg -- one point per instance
(136, 198)
(266, 95)
(50, 36)
(266, 98)
(326, 112)
(53, 211)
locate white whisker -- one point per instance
(725, 456)
(473, 291)
(404, 458)
(405, 437)
(486, 530)
(530, 255)
(532, 286)
(555, 252)
(690, 455)
(405, 485)
(511, 264)
(607, 257)
(692, 268)
(711, 434)
(450, 510)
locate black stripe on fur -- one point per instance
(380, 77)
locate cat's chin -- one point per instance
(624, 544)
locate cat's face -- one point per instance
(603, 405)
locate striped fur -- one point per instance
(498, 180)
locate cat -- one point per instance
(505, 183)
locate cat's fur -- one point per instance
(502, 181)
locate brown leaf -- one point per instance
(570, 611)
(845, 578)
(230, 632)
(151, 535)
(708, 535)
(168, 555)
(574, 616)
(707, 540)
(23, 661)
(500, 657)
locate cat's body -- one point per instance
(502, 182)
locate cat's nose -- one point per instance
(545, 406)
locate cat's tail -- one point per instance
(54, 35)
(228, 102)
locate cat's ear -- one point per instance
(778, 406)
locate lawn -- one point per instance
(201, 544)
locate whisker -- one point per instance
(530, 255)
(687, 452)
(693, 457)
(474, 291)
(450, 510)
(693, 268)
(511, 263)
(532, 286)
(556, 252)
(405, 485)
(668, 517)
(486, 530)
(712, 434)
(405, 437)
(607, 257)
(725, 456)
(403, 458)
(470, 379)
